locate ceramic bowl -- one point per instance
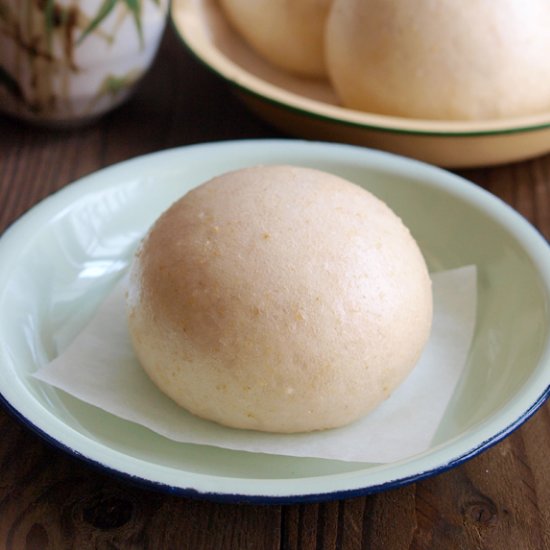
(309, 108)
(61, 259)
(68, 62)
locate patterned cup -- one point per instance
(69, 61)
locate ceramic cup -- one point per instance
(69, 61)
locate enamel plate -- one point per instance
(62, 257)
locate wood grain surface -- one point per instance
(498, 500)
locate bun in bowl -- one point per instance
(445, 60)
(290, 35)
(280, 299)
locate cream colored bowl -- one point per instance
(310, 109)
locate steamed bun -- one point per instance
(287, 33)
(444, 59)
(279, 298)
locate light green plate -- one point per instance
(60, 259)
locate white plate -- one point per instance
(60, 259)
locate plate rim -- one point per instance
(464, 189)
(266, 499)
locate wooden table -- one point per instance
(498, 500)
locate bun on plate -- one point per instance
(279, 298)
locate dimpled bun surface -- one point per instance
(441, 59)
(279, 298)
(290, 34)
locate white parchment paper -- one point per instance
(100, 368)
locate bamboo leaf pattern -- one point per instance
(102, 13)
(135, 7)
(115, 84)
(112, 85)
(49, 21)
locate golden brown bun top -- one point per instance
(291, 282)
